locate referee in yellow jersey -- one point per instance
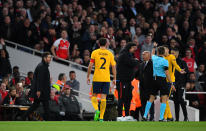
(172, 67)
(102, 59)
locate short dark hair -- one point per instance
(132, 44)
(63, 30)
(175, 49)
(52, 27)
(102, 41)
(166, 46)
(173, 29)
(191, 73)
(15, 67)
(45, 54)
(129, 46)
(11, 89)
(29, 73)
(188, 49)
(4, 78)
(61, 76)
(71, 72)
(123, 39)
(149, 34)
(161, 50)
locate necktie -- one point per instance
(145, 64)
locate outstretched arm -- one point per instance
(177, 67)
(154, 47)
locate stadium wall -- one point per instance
(27, 62)
(193, 114)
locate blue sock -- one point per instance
(162, 110)
(147, 109)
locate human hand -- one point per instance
(56, 57)
(29, 33)
(2, 41)
(195, 103)
(183, 71)
(45, 40)
(75, 47)
(136, 59)
(155, 44)
(114, 82)
(88, 80)
(173, 88)
(17, 95)
(93, 37)
(38, 93)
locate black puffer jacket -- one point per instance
(70, 104)
(126, 65)
(181, 79)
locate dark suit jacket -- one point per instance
(146, 78)
(130, 13)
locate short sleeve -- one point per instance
(153, 57)
(92, 60)
(166, 64)
(113, 63)
(56, 43)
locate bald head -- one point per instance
(146, 55)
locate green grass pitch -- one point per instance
(101, 126)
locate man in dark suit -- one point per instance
(146, 78)
(40, 89)
(131, 10)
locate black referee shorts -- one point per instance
(159, 84)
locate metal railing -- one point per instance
(34, 51)
(195, 92)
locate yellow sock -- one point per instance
(95, 103)
(102, 108)
(165, 114)
(168, 113)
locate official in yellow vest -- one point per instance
(59, 85)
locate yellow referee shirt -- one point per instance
(102, 59)
(172, 66)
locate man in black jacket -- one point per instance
(5, 66)
(180, 84)
(126, 65)
(146, 78)
(69, 105)
(40, 89)
(11, 98)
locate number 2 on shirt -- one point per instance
(102, 66)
